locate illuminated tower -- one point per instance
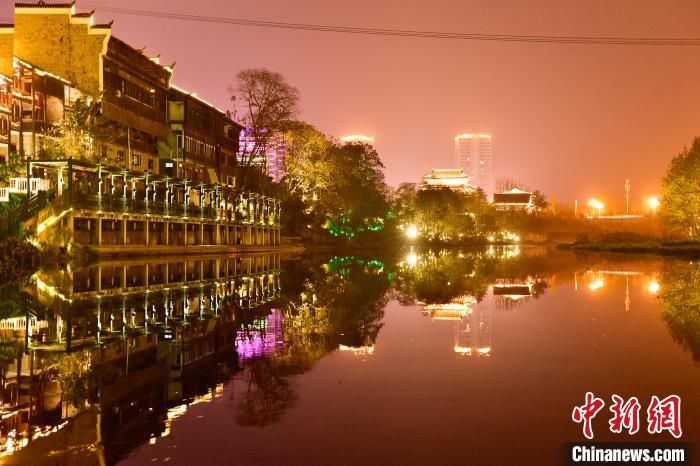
(357, 138)
(474, 154)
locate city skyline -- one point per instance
(539, 136)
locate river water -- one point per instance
(431, 357)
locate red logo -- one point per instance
(662, 415)
(665, 415)
(586, 412)
(625, 415)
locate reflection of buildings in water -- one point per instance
(363, 350)
(508, 294)
(473, 331)
(473, 336)
(503, 251)
(596, 280)
(132, 336)
(262, 337)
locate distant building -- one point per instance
(358, 138)
(204, 137)
(515, 199)
(271, 158)
(453, 178)
(474, 154)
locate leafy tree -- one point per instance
(308, 162)
(445, 214)
(680, 206)
(341, 186)
(13, 168)
(267, 104)
(358, 194)
(78, 132)
(539, 200)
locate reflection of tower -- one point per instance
(473, 332)
(473, 336)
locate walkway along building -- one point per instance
(117, 211)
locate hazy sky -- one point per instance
(572, 120)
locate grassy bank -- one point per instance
(689, 249)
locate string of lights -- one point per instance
(587, 40)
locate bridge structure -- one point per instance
(117, 211)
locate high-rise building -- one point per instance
(270, 158)
(358, 138)
(474, 154)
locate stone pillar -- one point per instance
(201, 233)
(166, 226)
(147, 233)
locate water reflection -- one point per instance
(680, 299)
(121, 344)
(100, 360)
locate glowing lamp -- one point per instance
(653, 287)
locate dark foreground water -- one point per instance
(429, 358)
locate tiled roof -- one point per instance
(42, 4)
(511, 198)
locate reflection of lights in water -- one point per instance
(412, 259)
(261, 338)
(357, 349)
(596, 284)
(177, 411)
(412, 232)
(53, 291)
(466, 351)
(653, 287)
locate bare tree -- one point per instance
(265, 104)
(507, 183)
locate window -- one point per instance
(136, 159)
(150, 164)
(120, 156)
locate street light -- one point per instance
(596, 205)
(653, 287)
(653, 203)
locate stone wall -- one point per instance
(60, 43)
(6, 50)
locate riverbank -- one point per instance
(18, 259)
(689, 249)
